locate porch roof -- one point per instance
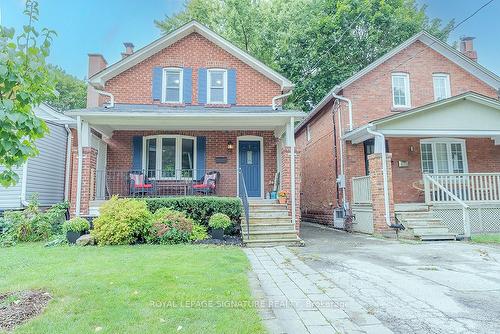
(465, 115)
(154, 117)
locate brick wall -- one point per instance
(377, 189)
(88, 164)
(120, 154)
(134, 85)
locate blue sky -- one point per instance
(92, 26)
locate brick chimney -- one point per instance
(96, 64)
(129, 49)
(467, 47)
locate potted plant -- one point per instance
(218, 223)
(282, 195)
(75, 228)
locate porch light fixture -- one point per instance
(230, 145)
(411, 148)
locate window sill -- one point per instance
(399, 109)
(171, 104)
(217, 105)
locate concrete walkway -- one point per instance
(294, 298)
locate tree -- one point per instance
(25, 82)
(71, 91)
(315, 43)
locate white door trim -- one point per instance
(261, 141)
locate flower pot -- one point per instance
(72, 236)
(282, 200)
(217, 233)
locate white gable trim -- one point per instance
(100, 78)
(434, 43)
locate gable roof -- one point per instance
(360, 134)
(47, 113)
(161, 43)
(474, 68)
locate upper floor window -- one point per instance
(172, 85)
(441, 82)
(217, 86)
(401, 90)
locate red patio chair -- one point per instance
(207, 184)
(140, 185)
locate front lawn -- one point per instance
(487, 238)
(134, 289)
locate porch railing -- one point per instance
(431, 182)
(160, 183)
(243, 195)
(361, 190)
(469, 187)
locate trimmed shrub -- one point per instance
(122, 221)
(219, 220)
(76, 224)
(200, 208)
(170, 227)
(199, 232)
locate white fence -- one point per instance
(361, 190)
(470, 188)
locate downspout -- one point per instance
(24, 179)
(349, 105)
(68, 162)
(292, 167)
(341, 148)
(80, 166)
(279, 97)
(111, 96)
(384, 174)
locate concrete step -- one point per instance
(430, 230)
(262, 201)
(410, 207)
(422, 221)
(292, 242)
(267, 220)
(438, 237)
(270, 227)
(263, 207)
(410, 215)
(266, 235)
(268, 214)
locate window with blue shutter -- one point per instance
(157, 83)
(202, 86)
(188, 85)
(201, 144)
(231, 86)
(137, 153)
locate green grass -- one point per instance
(488, 238)
(134, 289)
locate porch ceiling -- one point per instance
(109, 120)
(466, 115)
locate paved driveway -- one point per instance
(411, 287)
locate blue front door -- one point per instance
(249, 159)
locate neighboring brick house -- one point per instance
(185, 105)
(435, 110)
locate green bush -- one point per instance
(76, 224)
(122, 221)
(199, 232)
(200, 208)
(219, 220)
(170, 227)
(56, 216)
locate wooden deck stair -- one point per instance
(420, 224)
(270, 225)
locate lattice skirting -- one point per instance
(484, 218)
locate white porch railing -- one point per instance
(470, 188)
(361, 190)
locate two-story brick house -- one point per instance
(434, 112)
(189, 106)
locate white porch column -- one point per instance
(291, 143)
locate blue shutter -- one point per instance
(201, 144)
(231, 86)
(187, 88)
(137, 153)
(157, 81)
(202, 86)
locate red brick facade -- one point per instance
(371, 97)
(134, 85)
(380, 225)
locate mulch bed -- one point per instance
(228, 240)
(19, 306)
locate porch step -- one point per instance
(266, 227)
(292, 242)
(268, 220)
(269, 235)
(260, 207)
(423, 226)
(268, 214)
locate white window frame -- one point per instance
(448, 142)
(447, 87)
(406, 77)
(308, 132)
(164, 84)
(209, 81)
(178, 156)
